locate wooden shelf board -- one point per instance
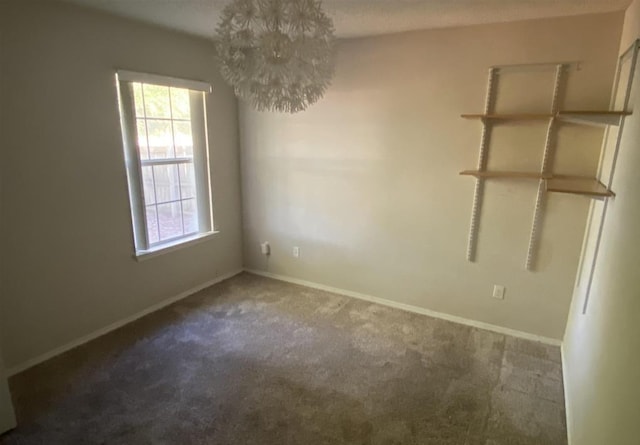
(521, 116)
(597, 117)
(578, 186)
(502, 174)
(594, 113)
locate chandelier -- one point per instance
(277, 54)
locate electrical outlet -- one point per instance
(498, 291)
(265, 248)
(296, 252)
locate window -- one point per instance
(165, 144)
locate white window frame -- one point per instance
(198, 98)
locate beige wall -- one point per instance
(366, 182)
(631, 26)
(66, 233)
(601, 347)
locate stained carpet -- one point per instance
(257, 361)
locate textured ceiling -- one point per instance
(353, 18)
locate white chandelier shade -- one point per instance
(277, 54)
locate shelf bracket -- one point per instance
(547, 159)
(482, 166)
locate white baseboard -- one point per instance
(567, 410)
(411, 308)
(113, 326)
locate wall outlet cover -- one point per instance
(498, 291)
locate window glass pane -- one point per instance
(142, 139)
(167, 193)
(166, 182)
(170, 216)
(187, 181)
(180, 103)
(152, 224)
(137, 99)
(147, 183)
(190, 212)
(183, 139)
(156, 101)
(160, 139)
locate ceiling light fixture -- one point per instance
(277, 54)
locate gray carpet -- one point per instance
(257, 361)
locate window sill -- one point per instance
(142, 255)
